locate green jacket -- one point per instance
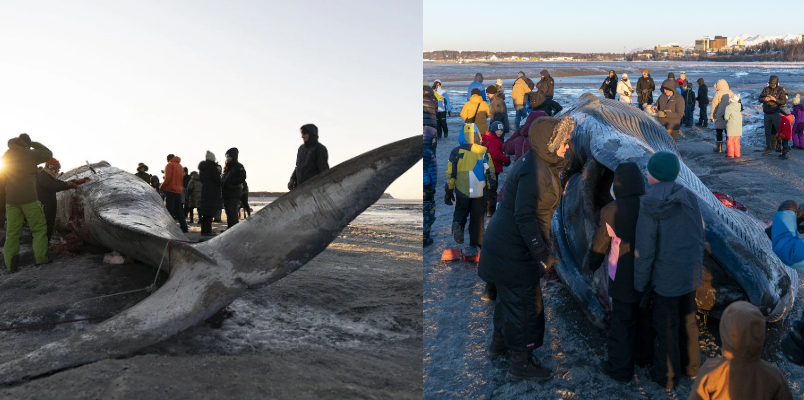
(19, 168)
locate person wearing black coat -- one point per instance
(703, 102)
(232, 186)
(244, 201)
(609, 86)
(515, 253)
(311, 158)
(630, 337)
(209, 173)
(430, 107)
(645, 88)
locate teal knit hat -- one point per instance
(664, 166)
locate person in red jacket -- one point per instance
(785, 131)
(491, 141)
(172, 187)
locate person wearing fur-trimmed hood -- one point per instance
(516, 255)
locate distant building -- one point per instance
(669, 51)
(718, 42)
(702, 44)
(800, 37)
(645, 56)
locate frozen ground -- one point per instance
(457, 323)
(346, 325)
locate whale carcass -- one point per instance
(739, 263)
(118, 210)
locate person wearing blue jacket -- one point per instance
(444, 108)
(478, 83)
(430, 179)
(789, 247)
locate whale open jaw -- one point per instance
(121, 212)
(738, 264)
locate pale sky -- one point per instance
(591, 26)
(130, 82)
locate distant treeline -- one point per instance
(278, 194)
(773, 50)
(453, 55)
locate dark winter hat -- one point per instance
(476, 91)
(785, 110)
(170, 157)
(671, 75)
(700, 81)
(664, 166)
(492, 89)
(496, 126)
(142, 167)
(310, 129)
(774, 80)
(233, 152)
(53, 164)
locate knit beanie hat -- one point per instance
(645, 71)
(476, 91)
(496, 126)
(735, 98)
(664, 166)
(491, 89)
(142, 166)
(797, 100)
(210, 157)
(625, 76)
(53, 164)
(499, 82)
(785, 110)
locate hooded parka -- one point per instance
(719, 103)
(210, 178)
(194, 189)
(609, 86)
(311, 160)
(740, 373)
(617, 234)
(548, 83)
(673, 106)
(499, 112)
(645, 88)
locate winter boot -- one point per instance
(497, 347)
(427, 242)
(525, 366)
(490, 292)
(718, 148)
(15, 264)
(766, 152)
(457, 232)
(706, 123)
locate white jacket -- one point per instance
(623, 87)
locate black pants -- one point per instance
(771, 129)
(519, 315)
(676, 350)
(176, 209)
(441, 123)
(491, 201)
(475, 210)
(719, 134)
(629, 339)
(702, 117)
(232, 207)
(206, 223)
(50, 219)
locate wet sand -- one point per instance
(346, 325)
(458, 327)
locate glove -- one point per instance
(26, 138)
(601, 90)
(449, 197)
(429, 194)
(788, 205)
(507, 163)
(661, 114)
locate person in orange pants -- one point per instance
(734, 126)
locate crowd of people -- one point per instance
(653, 274)
(29, 191)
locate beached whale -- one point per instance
(118, 210)
(739, 263)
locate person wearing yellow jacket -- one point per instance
(518, 96)
(469, 174)
(477, 111)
